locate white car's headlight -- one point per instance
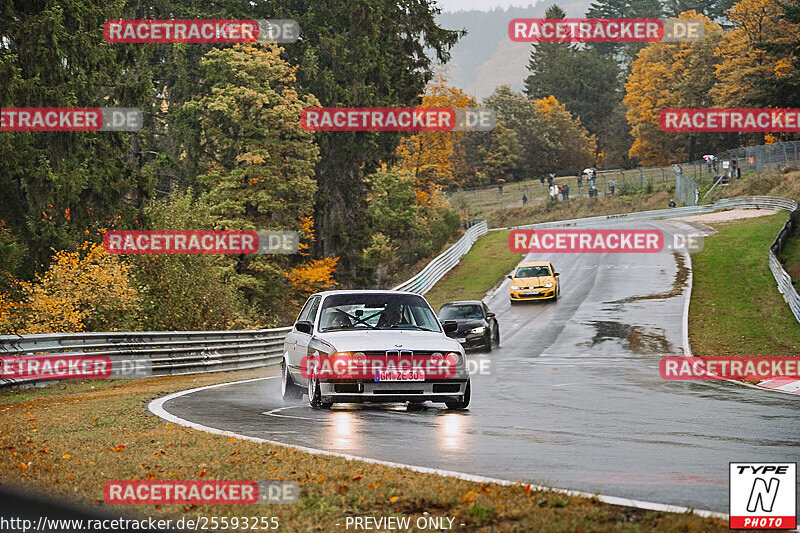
(547, 285)
(479, 330)
(514, 288)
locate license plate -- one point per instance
(414, 375)
(531, 293)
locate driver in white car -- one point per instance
(392, 315)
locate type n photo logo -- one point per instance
(763, 495)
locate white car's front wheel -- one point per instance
(315, 396)
(464, 402)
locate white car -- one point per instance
(373, 346)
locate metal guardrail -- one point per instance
(782, 278)
(194, 352)
(442, 264)
(163, 352)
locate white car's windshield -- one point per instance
(377, 311)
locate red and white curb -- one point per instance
(157, 408)
(789, 385)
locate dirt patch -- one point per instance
(637, 339)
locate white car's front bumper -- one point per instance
(392, 391)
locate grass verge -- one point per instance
(67, 440)
(735, 307)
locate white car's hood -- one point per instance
(383, 339)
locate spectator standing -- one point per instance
(565, 191)
(524, 199)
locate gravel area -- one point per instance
(727, 216)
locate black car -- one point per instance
(477, 326)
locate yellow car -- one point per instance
(534, 281)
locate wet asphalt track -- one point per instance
(574, 399)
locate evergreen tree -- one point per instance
(613, 9)
(713, 9)
(587, 82)
(373, 54)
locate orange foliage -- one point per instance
(428, 155)
(313, 277)
(83, 290)
(306, 233)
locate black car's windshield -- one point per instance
(532, 272)
(377, 311)
(457, 312)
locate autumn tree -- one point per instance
(481, 158)
(84, 290)
(784, 81)
(428, 155)
(402, 229)
(501, 154)
(745, 53)
(572, 143)
(206, 288)
(551, 138)
(520, 115)
(670, 75)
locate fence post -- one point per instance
(785, 156)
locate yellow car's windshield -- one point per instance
(532, 272)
